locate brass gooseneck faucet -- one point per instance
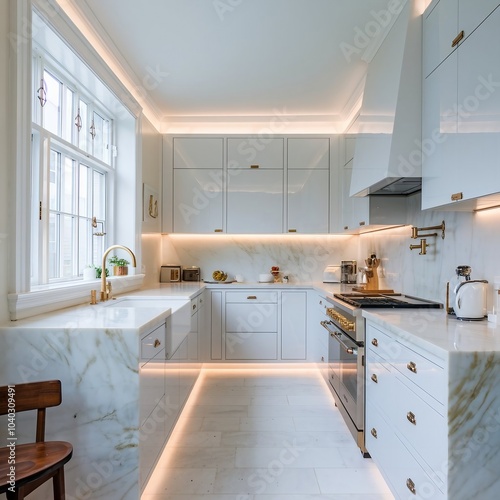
(104, 295)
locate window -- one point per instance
(72, 174)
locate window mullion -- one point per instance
(45, 222)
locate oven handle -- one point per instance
(336, 336)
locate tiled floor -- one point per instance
(267, 434)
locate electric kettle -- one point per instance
(470, 300)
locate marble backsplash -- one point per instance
(471, 238)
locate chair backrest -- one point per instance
(31, 396)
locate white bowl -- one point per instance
(266, 278)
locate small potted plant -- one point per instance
(98, 272)
(120, 266)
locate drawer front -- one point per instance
(423, 372)
(153, 343)
(398, 466)
(380, 343)
(379, 382)
(251, 318)
(251, 346)
(420, 425)
(252, 296)
(194, 305)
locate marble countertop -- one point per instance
(437, 332)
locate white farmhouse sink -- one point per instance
(138, 302)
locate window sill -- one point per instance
(54, 297)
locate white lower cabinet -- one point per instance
(152, 434)
(406, 424)
(293, 325)
(258, 325)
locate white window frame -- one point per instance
(22, 302)
(43, 141)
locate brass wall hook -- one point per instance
(94, 224)
(422, 246)
(415, 231)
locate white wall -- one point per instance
(471, 239)
(303, 257)
(4, 157)
(151, 175)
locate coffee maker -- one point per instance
(348, 271)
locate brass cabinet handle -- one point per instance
(346, 228)
(194, 307)
(411, 486)
(292, 230)
(362, 223)
(254, 166)
(374, 378)
(373, 432)
(410, 416)
(412, 366)
(252, 297)
(457, 196)
(217, 230)
(322, 358)
(375, 342)
(457, 39)
(157, 343)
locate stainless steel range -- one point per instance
(346, 350)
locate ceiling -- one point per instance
(243, 62)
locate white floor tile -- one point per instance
(351, 481)
(263, 435)
(290, 456)
(273, 480)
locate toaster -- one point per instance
(331, 274)
(191, 274)
(170, 274)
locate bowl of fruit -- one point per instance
(219, 275)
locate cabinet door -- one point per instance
(198, 152)
(308, 201)
(440, 27)
(251, 318)
(308, 152)
(439, 135)
(254, 152)
(198, 196)
(193, 336)
(216, 326)
(472, 13)
(479, 110)
(255, 202)
(293, 325)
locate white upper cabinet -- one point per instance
(308, 152)
(251, 185)
(461, 116)
(255, 201)
(255, 152)
(308, 201)
(308, 206)
(198, 152)
(198, 200)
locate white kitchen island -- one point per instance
(433, 403)
(115, 408)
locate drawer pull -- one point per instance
(412, 366)
(411, 418)
(346, 228)
(252, 297)
(374, 378)
(411, 486)
(194, 307)
(322, 358)
(217, 230)
(362, 223)
(457, 39)
(156, 343)
(457, 196)
(254, 166)
(375, 342)
(373, 432)
(292, 230)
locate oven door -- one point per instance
(346, 371)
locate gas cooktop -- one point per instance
(382, 300)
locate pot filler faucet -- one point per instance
(104, 294)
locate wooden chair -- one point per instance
(36, 462)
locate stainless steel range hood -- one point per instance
(387, 156)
